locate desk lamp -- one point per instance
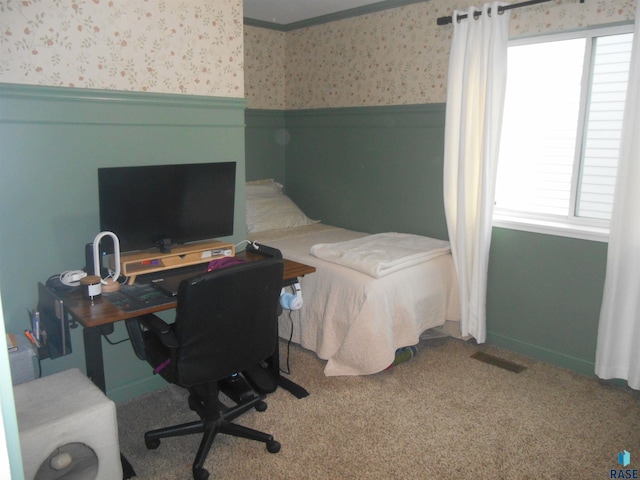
(110, 283)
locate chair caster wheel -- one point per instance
(152, 443)
(200, 474)
(273, 446)
(261, 406)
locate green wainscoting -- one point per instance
(544, 296)
(52, 141)
(265, 144)
(372, 169)
(380, 169)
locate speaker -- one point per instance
(291, 301)
(88, 260)
(68, 429)
(69, 462)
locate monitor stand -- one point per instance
(164, 245)
(150, 261)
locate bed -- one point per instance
(353, 320)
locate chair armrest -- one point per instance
(161, 328)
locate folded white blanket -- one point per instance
(382, 253)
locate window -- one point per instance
(561, 132)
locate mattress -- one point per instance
(354, 321)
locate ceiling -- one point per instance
(288, 12)
(284, 12)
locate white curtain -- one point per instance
(618, 348)
(475, 101)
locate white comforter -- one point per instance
(352, 320)
(382, 253)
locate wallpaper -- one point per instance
(198, 47)
(264, 64)
(166, 46)
(394, 57)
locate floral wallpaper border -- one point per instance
(200, 47)
(166, 46)
(394, 57)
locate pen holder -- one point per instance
(43, 352)
(91, 287)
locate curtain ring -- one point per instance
(476, 15)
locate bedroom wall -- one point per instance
(267, 139)
(193, 47)
(87, 84)
(264, 68)
(544, 291)
(266, 143)
(400, 56)
(371, 169)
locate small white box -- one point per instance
(23, 361)
(61, 410)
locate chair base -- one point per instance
(210, 428)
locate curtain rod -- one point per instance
(449, 19)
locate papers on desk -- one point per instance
(12, 343)
(131, 298)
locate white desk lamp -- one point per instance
(109, 284)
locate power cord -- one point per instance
(71, 278)
(118, 342)
(237, 245)
(289, 341)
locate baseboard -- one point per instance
(543, 354)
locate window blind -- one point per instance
(603, 128)
(562, 126)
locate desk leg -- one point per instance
(95, 371)
(93, 356)
(274, 366)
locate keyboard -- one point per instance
(168, 281)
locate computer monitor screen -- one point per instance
(160, 205)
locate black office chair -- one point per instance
(226, 323)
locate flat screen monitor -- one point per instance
(164, 205)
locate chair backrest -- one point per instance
(227, 320)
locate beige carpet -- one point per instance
(442, 415)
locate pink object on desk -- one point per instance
(220, 263)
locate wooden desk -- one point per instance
(98, 317)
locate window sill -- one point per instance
(548, 227)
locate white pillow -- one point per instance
(269, 209)
(263, 187)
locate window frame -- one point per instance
(570, 226)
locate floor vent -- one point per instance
(498, 362)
